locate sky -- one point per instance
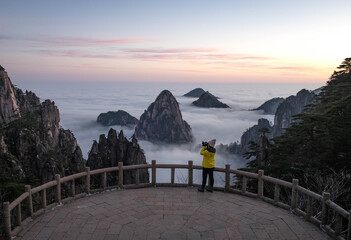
(174, 41)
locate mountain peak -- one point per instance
(163, 122)
(207, 100)
(197, 92)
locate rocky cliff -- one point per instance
(163, 122)
(262, 151)
(197, 92)
(9, 109)
(290, 107)
(270, 106)
(32, 142)
(120, 117)
(207, 100)
(283, 119)
(116, 148)
(251, 134)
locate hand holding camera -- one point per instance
(204, 144)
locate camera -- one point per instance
(204, 144)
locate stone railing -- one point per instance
(331, 218)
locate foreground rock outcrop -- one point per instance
(9, 108)
(120, 117)
(32, 143)
(163, 122)
(207, 100)
(113, 149)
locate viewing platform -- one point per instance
(169, 213)
(261, 207)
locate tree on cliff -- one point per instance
(319, 141)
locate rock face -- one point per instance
(117, 118)
(116, 148)
(262, 151)
(32, 142)
(252, 134)
(163, 122)
(291, 106)
(271, 106)
(9, 109)
(197, 92)
(283, 118)
(207, 100)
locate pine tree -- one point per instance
(319, 141)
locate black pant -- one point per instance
(208, 171)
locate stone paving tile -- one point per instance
(169, 213)
(126, 233)
(99, 234)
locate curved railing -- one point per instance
(330, 217)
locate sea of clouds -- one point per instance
(81, 103)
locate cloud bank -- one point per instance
(80, 105)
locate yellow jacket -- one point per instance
(209, 160)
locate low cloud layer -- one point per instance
(80, 105)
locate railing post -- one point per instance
(243, 188)
(276, 192)
(137, 173)
(295, 182)
(30, 200)
(73, 188)
(153, 173)
(7, 220)
(44, 199)
(172, 175)
(324, 218)
(58, 188)
(349, 227)
(190, 174)
(120, 174)
(104, 180)
(338, 224)
(19, 214)
(260, 183)
(227, 177)
(309, 208)
(87, 180)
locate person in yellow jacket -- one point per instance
(208, 163)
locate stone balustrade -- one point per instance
(330, 217)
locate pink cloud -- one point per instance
(237, 57)
(73, 53)
(172, 51)
(163, 57)
(93, 41)
(78, 41)
(192, 54)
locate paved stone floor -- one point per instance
(169, 213)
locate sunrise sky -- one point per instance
(176, 41)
